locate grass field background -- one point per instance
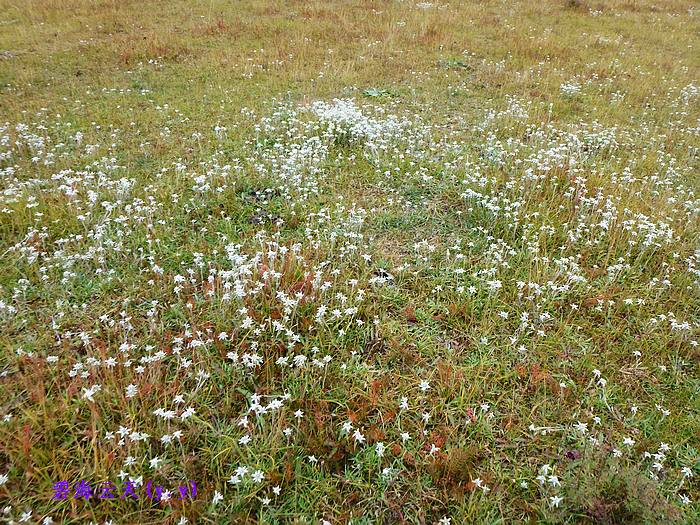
(350, 262)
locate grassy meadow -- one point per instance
(349, 262)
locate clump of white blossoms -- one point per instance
(570, 88)
(345, 123)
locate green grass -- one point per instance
(507, 211)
